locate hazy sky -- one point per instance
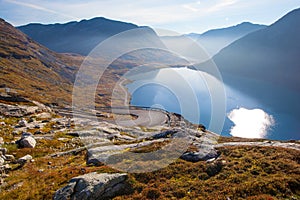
(182, 16)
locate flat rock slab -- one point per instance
(262, 144)
(99, 155)
(94, 186)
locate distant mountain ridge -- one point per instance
(270, 54)
(76, 37)
(238, 30)
(214, 40)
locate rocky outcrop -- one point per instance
(26, 141)
(12, 111)
(22, 110)
(94, 186)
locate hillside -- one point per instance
(269, 54)
(266, 61)
(33, 70)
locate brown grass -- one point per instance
(246, 173)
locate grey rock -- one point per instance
(214, 168)
(1, 141)
(9, 157)
(42, 107)
(1, 161)
(288, 145)
(26, 141)
(203, 154)
(93, 186)
(30, 109)
(100, 154)
(12, 111)
(165, 134)
(3, 151)
(24, 159)
(22, 123)
(43, 115)
(7, 167)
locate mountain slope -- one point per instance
(32, 70)
(215, 40)
(270, 54)
(75, 37)
(265, 66)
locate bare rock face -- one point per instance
(26, 141)
(94, 186)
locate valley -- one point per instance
(106, 109)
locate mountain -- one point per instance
(265, 65)
(126, 50)
(215, 40)
(77, 37)
(32, 70)
(270, 55)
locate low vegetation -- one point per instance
(240, 173)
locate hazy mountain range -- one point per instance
(81, 37)
(214, 40)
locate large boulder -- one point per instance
(204, 153)
(94, 186)
(26, 141)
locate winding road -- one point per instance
(145, 116)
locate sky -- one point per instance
(181, 16)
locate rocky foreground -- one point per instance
(111, 140)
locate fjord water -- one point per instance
(167, 89)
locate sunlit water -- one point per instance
(185, 91)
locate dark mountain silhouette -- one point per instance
(77, 37)
(265, 65)
(215, 40)
(270, 55)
